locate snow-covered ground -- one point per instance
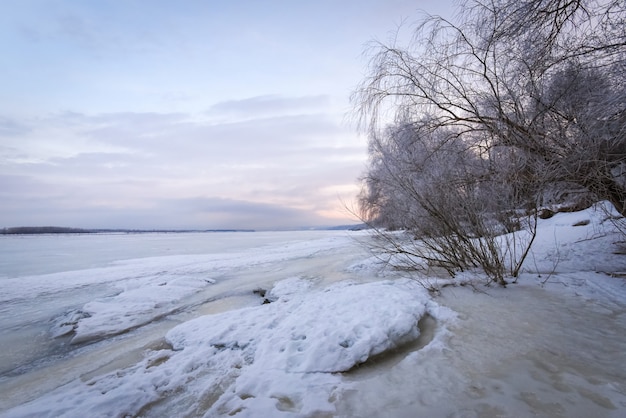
(185, 335)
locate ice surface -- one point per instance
(550, 345)
(36, 309)
(260, 359)
(146, 289)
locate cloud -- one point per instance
(24, 186)
(78, 29)
(11, 127)
(261, 106)
(163, 213)
(231, 213)
(186, 105)
(280, 171)
(291, 140)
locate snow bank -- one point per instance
(330, 331)
(578, 241)
(278, 359)
(150, 288)
(133, 307)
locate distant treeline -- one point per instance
(23, 230)
(32, 230)
(44, 230)
(357, 227)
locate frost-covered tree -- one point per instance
(436, 186)
(489, 112)
(547, 78)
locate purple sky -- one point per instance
(185, 114)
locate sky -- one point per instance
(186, 114)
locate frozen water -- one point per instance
(114, 298)
(339, 338)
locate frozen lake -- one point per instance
(75, 305)
(153, 325)
(25, 255)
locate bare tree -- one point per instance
(434, 186)
(544, 77)
(488, 112)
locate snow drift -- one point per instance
(259, 360)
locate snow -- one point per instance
(142, 290)
(148, 269)
(372, 343)
(288, 347)
(564, 247)
(138, 304)
(328, 331)
(285, 354)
